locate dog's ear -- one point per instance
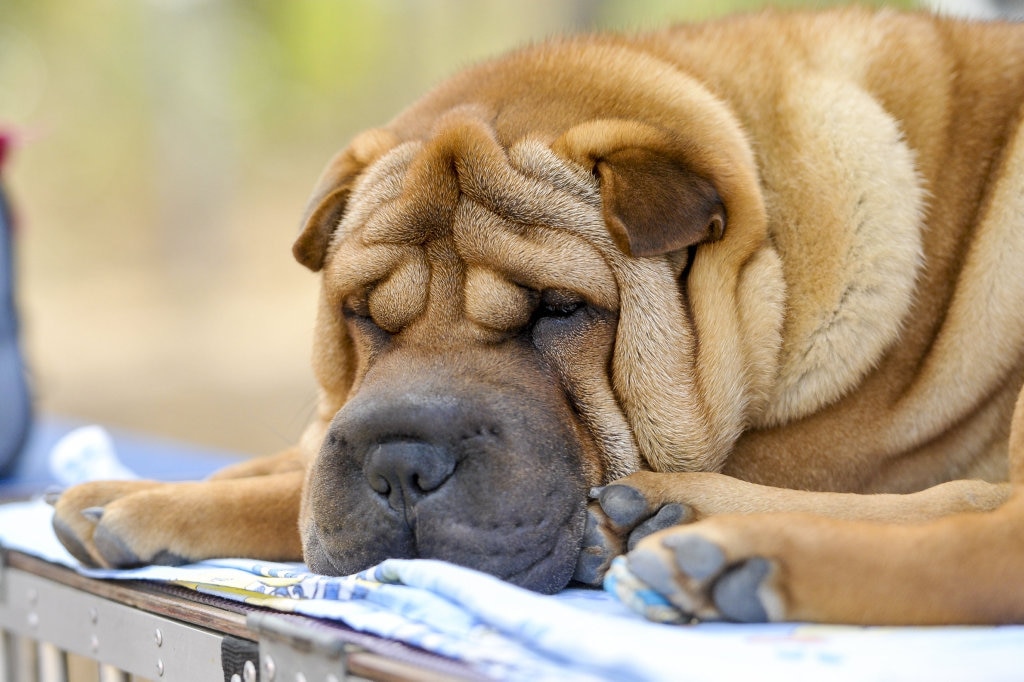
(326, 207)
(654, 197)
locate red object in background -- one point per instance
(6, 144)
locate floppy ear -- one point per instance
(330, 197)
(653, 198)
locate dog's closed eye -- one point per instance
(357, 305)
(559, 303)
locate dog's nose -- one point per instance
(406, 471)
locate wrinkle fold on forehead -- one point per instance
(535, 257)
(409, 194)
(523, 214)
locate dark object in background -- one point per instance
(15, 407)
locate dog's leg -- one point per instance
(964, 568)
(625, 512)
(291, 459)
(118, 524)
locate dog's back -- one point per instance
(922, 120)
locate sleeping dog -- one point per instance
(742, 302)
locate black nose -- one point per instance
(406, 471)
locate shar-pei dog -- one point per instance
(737, 305)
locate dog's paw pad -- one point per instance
(650, 567)
(666, 517)
(695, 556)
(623, 505)
(696, 576)
(618, 517)
(737, 593)
(590, 566)
(596, 553)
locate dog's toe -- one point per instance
(706, 577)
(697, 557)
(591, 566)
(620, 516)
(670, 515)
(113, 548)
(93, 514)
(624, 505)
(737, 593)
(599, 547)
(75, 546)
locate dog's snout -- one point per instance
(406, 471)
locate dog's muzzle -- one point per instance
(452, 464)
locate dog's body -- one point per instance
(763, 265)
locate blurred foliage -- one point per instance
(267, 64)
(136, 107)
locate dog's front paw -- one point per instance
(701, 574)
(618, 517)
(114, 524)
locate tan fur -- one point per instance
(806, 229)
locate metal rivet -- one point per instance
(236, 678)
(94, 616)
(249, 672)
(270, 667)
(33, 596)
(33, 619)
(158, 637)
(159, 667)
(94, 643)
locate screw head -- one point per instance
(158, 637)
(270, 667)
(159, 667)
(249, 672)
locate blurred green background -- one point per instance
(166, 148)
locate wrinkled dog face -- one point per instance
(478, 320)
(507, 312)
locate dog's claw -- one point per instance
(51, 495)
(93, 514)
